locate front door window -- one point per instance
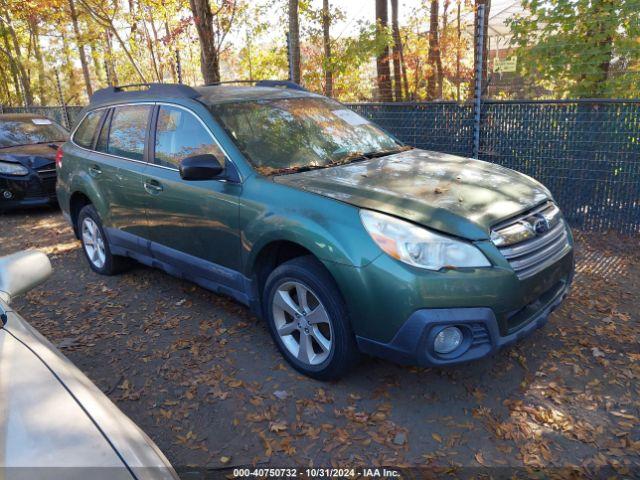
(179, 134)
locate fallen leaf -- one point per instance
(277, 426)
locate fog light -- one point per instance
(447, 340)
(7, 194)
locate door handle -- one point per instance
(95, 170)
(152, 187)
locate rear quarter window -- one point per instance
(86, 131)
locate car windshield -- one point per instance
(295, 134)
(14, 133)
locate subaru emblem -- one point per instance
(540, 225)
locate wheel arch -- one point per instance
(77, 201)
(274, 253)
(85, 191)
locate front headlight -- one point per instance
(7, 168)
(418, 246)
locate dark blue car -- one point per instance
(28, 146)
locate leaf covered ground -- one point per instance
(201, 376)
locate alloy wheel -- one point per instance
(302, 323)
(93, 242)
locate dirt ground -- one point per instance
(201, 376)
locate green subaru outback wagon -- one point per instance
(341, 237)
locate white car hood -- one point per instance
(53, 418)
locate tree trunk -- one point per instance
(397, 52)
(605, 46)
(95, 58)
(23, 74)
(294, 41)
(80, 44)
(133, 27)
(167, 31)
(458, 53)
(12, 66)
(203, 19)
(4, 80)
(441, 40)
(326, 40)
(156, 46)
(405, 81)
(68, 69)
(33, 25)
(110, 66)
(435, 61)
(485, 50)
(382, 60)
(152, 53)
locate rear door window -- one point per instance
(179, 134)
(87, 129)
(128, 131)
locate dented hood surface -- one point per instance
(455, 195)
(33, 156)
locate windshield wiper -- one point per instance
(349, 158)
(359, 156)
(48, 142)
(391, 151)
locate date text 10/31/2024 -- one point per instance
(316, 472)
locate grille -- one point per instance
(533, 241)
(480, 334)
(47, 177)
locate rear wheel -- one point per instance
(308, 319)
(96, 246)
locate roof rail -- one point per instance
(281, 84)
(266, 83)
(140, 91)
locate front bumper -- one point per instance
(413, 343)
(32, 190)
(395, 309)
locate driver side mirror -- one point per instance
(200, 167)
(22, 271)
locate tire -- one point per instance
(303, 338)
(96, 246)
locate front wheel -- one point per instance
(308, 319)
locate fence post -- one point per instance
(65, 112)
(178, 66)
(107, 71)
(477, 93)
(289, 55)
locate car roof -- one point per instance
(217, 94)
(209, 94)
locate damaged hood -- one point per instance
(33, 156)
(456, 195)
